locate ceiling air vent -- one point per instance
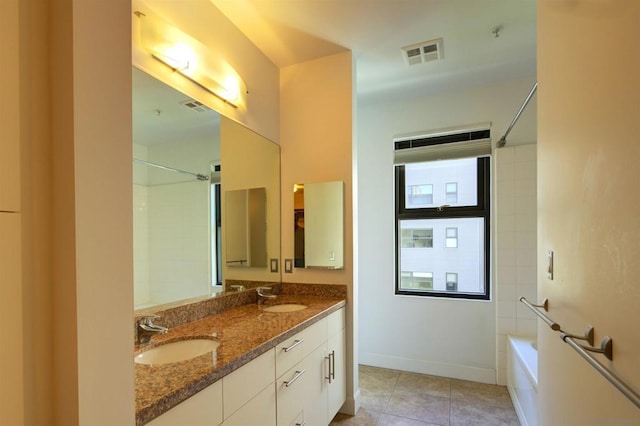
(194, 105)
(421, 53)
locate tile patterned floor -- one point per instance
(397, 398)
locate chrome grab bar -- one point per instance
(295, 377)
(606, 349)
(545, 305)
(606, 373)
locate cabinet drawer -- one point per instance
(202, 409)
(261, 410)
(294, 349)
(289, 353)
(314, 336)
(247, 381)
(291, 395)
(335, 322)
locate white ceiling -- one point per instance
(159, 116)
(292, 31)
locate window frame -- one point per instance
(481, 210)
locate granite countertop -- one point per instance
(244, 333)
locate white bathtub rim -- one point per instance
(527, 356)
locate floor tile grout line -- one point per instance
(384, 410)
(416, 388)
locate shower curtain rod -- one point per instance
(160, 166)
(503, 140)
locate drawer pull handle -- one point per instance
(295, 343)
(301, 424)
(295, 377)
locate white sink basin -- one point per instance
(177, 351)
(285, 307)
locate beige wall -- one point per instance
(75, 141)
(95, 166)
(251, 161)
(30, 112)
(588, 203)
(316, 128)
(11, 291)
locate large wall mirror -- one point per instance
(186, 159)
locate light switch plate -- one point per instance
(274, 265)
(288, 266)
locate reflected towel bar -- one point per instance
(606, 348)
(198, 176)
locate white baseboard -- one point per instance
(351, 404)
(462, 372)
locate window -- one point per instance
(420, 194)
(452, 281)
(416, 281)
(452, 192)
(417, 238)
(451, 237)
(464, 227)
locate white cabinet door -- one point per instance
(261, 410)
(247, 381)
(337, 389)
(315, 388)
(290, 388)
(202, 409)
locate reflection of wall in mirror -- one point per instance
(324, 225)
(245, 227)
(171, 225)
(251, 161)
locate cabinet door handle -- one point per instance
(332, 363)
(328, 376)
(295, 377)
(332, 366)
(295, 343)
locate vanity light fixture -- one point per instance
(190, 58)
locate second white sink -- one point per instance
(285, 307)
(177, 351)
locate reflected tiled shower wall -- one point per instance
(516, 246)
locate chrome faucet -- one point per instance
(264, 293)
(146, 328)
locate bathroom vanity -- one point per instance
(293, 360)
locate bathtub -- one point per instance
(522, 378)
